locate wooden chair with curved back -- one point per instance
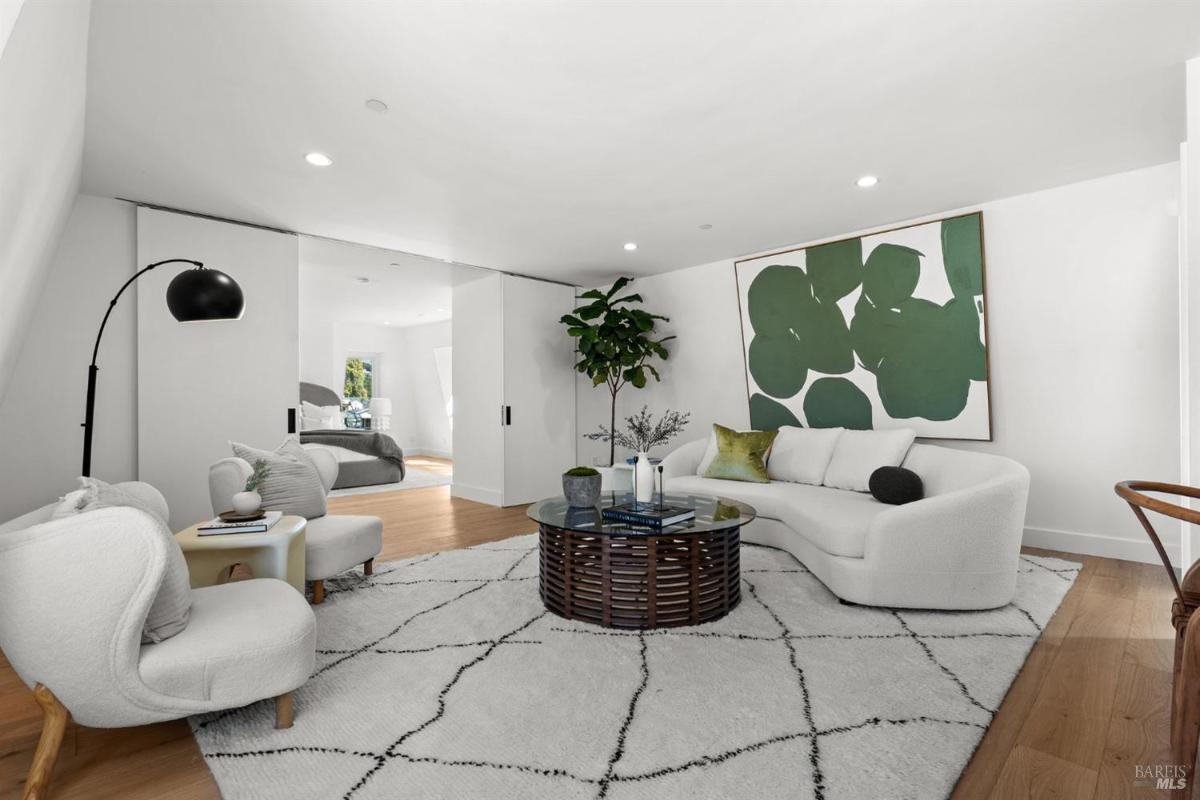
(1185, 706)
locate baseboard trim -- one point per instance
(476, 493)
(1094, 544)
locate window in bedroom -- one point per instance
(358, 387)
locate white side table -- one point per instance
(277, 553)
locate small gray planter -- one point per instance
(581, 490)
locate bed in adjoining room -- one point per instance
(365, 457)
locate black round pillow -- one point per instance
(896, 485)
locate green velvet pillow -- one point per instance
(741, 456)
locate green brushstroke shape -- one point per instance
(891, 274)
(837, 403)
(835, 269)
(962, 254)
(769, 415)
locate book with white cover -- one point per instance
(215, 526)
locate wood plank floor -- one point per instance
(1091, 703)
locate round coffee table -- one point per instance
(620, 576)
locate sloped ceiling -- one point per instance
(42, 101)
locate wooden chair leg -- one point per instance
(318, 592)
(285, 710)
(54, 724)
(1185, 717)
(369, 567)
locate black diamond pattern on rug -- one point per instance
(443, 677)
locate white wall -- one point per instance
(40, 417)
(42, 97)
(407, 376)
(431, 427)
(1189, 284)
(1083, 326)
(203, 384)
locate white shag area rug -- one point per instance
(414, 478)
(444, 677)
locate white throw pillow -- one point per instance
(293, 485)
(859, 453)
(801, 455)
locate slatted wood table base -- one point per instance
(640, 581)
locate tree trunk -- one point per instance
(612, 431)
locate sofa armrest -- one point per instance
(975, 529)
(684, 460)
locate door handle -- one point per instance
(506, 415)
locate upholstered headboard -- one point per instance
(318, 395)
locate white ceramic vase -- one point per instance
(247, 502)
(644, 479)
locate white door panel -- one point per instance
(202, 384)
(539, 389)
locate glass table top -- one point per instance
(712, 514)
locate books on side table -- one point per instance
(217, 526)
(648, 514)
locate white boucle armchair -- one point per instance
(958, 548)
(333, 543)
(74, 594)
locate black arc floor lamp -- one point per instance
(195, 295)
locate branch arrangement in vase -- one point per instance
(642, 432)
(616, 343)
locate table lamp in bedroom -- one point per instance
(381, 413)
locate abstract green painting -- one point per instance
(880, 331)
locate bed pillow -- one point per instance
(314, 417)
(293, 485)
(801, 455)
(741, 455)
(857, 454)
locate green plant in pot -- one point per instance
(581, 487)
(616, 344)
(249, 500)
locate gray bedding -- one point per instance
(389, 468)
(369, 443)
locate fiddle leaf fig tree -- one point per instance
(616, 343)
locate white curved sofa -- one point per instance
(956, 549)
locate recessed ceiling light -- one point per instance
(631, 246)
(393, 264)
(318, 159)
(867, 181)
(385, 322)
(363, 279)
(441, 310)
(706, 226)
(378, 106)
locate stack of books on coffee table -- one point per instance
(648, 515)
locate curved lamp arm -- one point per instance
(90, 408)
(113, 303)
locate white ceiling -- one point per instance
(401, 290)
(539, 137)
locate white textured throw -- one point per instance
(444, 677)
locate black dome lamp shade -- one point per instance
(201, 294)
(194, 295)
